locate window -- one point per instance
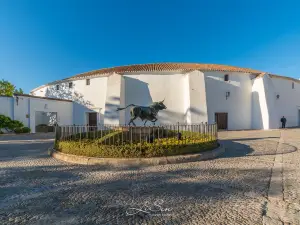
(70, 85)
(226, 77)
(293, 85)
(57, 87)
(88, 81)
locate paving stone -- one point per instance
(232, 189)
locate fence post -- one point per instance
(140, 138)
(55, 134)
(87, 131)
(130, 136)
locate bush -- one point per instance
(14, 124)
(4, 121)
(159, 147)
(1, 132)
(26, 130)
(7, 123)
(22, 130)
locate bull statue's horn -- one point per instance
(163, 100)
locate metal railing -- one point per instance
(119, 135)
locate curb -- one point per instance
(117, 162)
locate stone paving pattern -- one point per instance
(232, 189)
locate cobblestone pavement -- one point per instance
(233, 189)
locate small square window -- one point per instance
(57, 87)
(226, 77)
(293, 85)
(88, 81)
(70, 85)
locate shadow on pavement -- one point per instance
(261, 147)
(210, 192)
(51, 194)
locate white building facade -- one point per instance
(33, 111)
(236, 98)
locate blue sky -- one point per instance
(42, 41)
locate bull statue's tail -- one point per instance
(118, 109)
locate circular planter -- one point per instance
(121, 162)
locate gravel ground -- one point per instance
(233, 189)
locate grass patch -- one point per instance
(114, 145)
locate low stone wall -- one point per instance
(120, 162)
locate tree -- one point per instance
(19, 91)
(8, 89)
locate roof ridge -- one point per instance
(166, 66)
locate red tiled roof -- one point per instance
(166, 67)
(283, 77)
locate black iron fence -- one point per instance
(119, 135)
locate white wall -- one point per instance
(197, 97)
(144, 89)
(238, 105)
(24, 109)
(88, 98)
(288, 104)
(6, 106)
(21, 110)
(252, 103)
(41, 92)
(260, 110)
(63, 109)
(113, 100)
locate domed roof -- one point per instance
(166, 67)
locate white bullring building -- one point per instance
(236, 98)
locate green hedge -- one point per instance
(22, 130)
(160, 147)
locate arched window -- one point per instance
(226, 77)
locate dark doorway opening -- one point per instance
(92, 121)
(221, 120)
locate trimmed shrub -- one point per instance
(133, 142)
(159, 147)
(22, 130)
(26, 130)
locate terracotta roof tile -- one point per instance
(166, 67)
(283, 77)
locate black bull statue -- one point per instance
(147, 113)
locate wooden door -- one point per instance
(221, 120)
(92, 119)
